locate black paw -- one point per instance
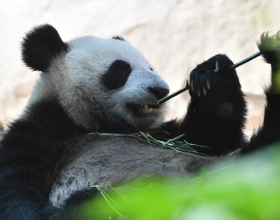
(269, 46)
(205, 77)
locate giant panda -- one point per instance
(49, 158)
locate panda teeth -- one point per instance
(146, 107)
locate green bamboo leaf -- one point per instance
(196, 145)
(174, 139)
(146, 137)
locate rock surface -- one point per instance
(174, 35)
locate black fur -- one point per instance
(117, 75)
(41, 46)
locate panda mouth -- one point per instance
(144, 108)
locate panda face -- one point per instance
(117, 77)
(100, 80)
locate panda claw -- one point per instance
(204, 90)
(208, 83)
(217, 67)
(266, 34)
(277, 36)
(146, 107)
(198, 92)
(262, 36)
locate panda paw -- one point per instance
(269, 46)
(205, 77)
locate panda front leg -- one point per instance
(270, 131)
(217, 109)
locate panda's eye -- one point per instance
(117, 75)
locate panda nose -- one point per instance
(158, 92)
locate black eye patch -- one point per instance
(117, 75)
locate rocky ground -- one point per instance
(174, 35)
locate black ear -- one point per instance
(118, 38)
(40, 46)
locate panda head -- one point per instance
(95, 80)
